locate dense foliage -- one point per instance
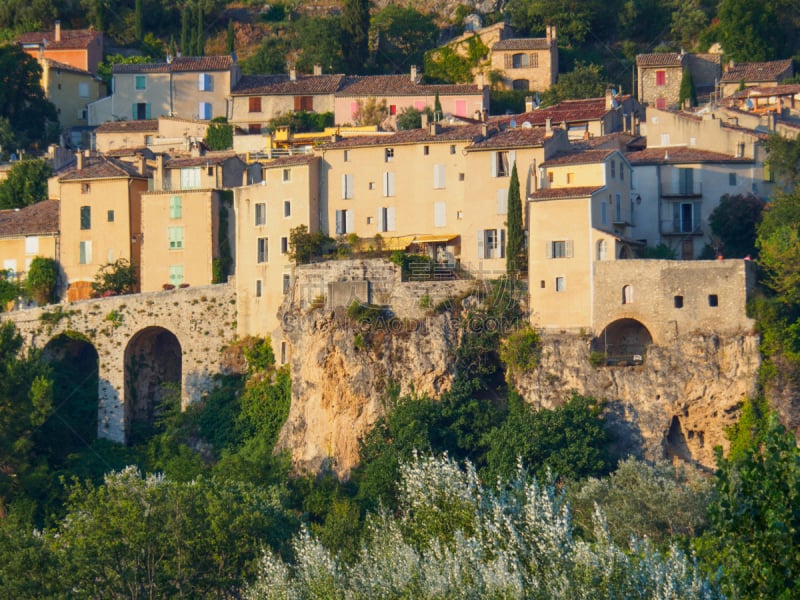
(41, 283)
(113, 279)
(26, 184)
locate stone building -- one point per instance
(754, 74)
(26, 233)
(527, 63)
(660, 75)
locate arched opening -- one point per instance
(73, 425)
(152, 376)
(627, 294)
(521, 85)
(623, 342)
(676, 441)
(624, 252)
(602, 250)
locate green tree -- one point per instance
(749, 30)
(41, 282)
(220, 134)
(199, 34)
(515, 241)
(437, 104)
(573, 19)
(371, 111)
(734, 222)
(687, 90)
(355, 34)
(584, 81)
(269, 58)
(688, 22)
(404, 35)
(783, 159)
(26, 184)
(318, 41)
(9, 289)
(22, 100)
(105, 68)
(230, 38)
(411, 118)
(754, 526)
(138, 21)
(114, 279)
(449, 65)
(305, 246)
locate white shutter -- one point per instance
(439, 214)
(381, 219)
(481, 243)
(548, 249)
(439, 172)
(347, 185)
(493, 156)
(502, 202)
(339, 222)
(390, 219)
(32, 244)
(512, 158)
(388, 183)
(350, 221)
(568, 249)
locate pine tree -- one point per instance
(138, 21)
(514, 240)
(355, 32)
(230, 38)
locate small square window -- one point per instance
(262, 250)
(284, 245)
(287, 174)
(261, 214)
(541, 284)
(426, 150)
(388, 154)
(86, 188)
(561, 284)
(460, 214)
(287, 280)
(111, 216)
(210, 171)
(258, 288)
(372, 185)
(141, 82)
(732, 178)
(452, 148)
(347, 156)
(287, 208)
(461, 177)
(550, 176)
(678, 301)
(369, 220)
(713, 300)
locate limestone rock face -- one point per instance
(678, 403)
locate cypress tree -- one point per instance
(185, 49)
(200, 40)
(138, 21)
(355, 32)
(687, 90)
(230, 38)
(514, 239)
(437, 106)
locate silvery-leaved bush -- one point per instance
(455, 538)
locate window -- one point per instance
(175, 238)
(254, 104)
(284, 245)
(347, 156)
(141, 82)
(263, 250)
(613, 169)
(254, 128)
(550, 177)
(283, 353)
(491, 243)
(459, 214)
(204, 111)
(661, 78)
(686, 181)
(621, 172)
(86, 217)
(31, 244)
(570, 178)
(683, 217)
(740, 150)
(190, 178)
(602, 250)
(210, 171)
(426, 150)
(388, 154)
(561, 284)
(205, 82)
(110, 216)
(345, 221)
(304, 103)
(83, 90)
(618, 208)
(10, 266)
(141, 110)
(388, 183)
(386, 219)
(501, 200)
(258, 288)
(560, 249)
(677, 301)
(86, 188)
(86, 253)
(347, 186)
(176, 274)
(713, 300)
(731, 178)
(522, 85)
(286, 282)
(175, 207)
(439, 173)
(261, 214)
(627, 294)
(461, 177)
(452, 148)
(371, 185)
(501, 167)
(439, 214)
(287, 175)
(287, 208)
(392, 109)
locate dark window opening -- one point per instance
(678, 301)
(713, 300)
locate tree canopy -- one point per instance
(26, 184)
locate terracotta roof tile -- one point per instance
(281, 84)
(681, 154)
(289, 161)
(757, 71)
(71, 39)
(518, 137)
(464, 133)
(564, 193)
(200, 161)
(398, 85)
(790, 89)
(181, 64)
(660, 59)
(123, 126)
(54, 64)
(100, 167)
(568, 110)
(581, 157)
(36, 219)
(521, 44)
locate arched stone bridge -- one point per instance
(141, 344)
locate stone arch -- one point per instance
(624, 342)
(75, 368)
(627, 294)
(153, 370)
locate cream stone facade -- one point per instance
(26, 233)
(100, 218)
(527, 63)
(79, 48)
(266, 213)
(165, 134)
(71, 90)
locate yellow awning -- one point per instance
(432, 239)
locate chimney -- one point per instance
(317, 69)
(528, 103)
(58, 31)
(292, 74)
(414, 73)
(158, 184)
(79, 158)
(548, 125)
(609, 99)
(481, 80)
(550, 34)
(433, 128)
(424, 119)
(141, 162)
(485, 130)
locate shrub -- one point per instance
(115, 278)
(42, 280)
(520, 352)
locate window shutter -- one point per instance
(481, 243)
(676, 217)
(339, 222)
(439, 214)
(507, 61)
(502, 202)
(381, 220)
(512, 158)
(297, 103)
(133, 111)
(493, 156)
(439, 172)
(548, 249)
(390, 219)
(350, 221)
(568, 249)
(344, 186)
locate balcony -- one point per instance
(687, 189)
(681, 227)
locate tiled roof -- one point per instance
(267, 85)
(200, 161)
(522, 44)
(181, 64)
(398, 85)
(36, 219)
(567, 111)
(463, 133)
(71, 39)
(518, 137)
(99, 167)
(124, 126)
(564, 193)
(681, 154)
(54, 64)
(582, 157)
(618, 140)
(660, 59)
(790, 89)
(289, 161)
(756, 71)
